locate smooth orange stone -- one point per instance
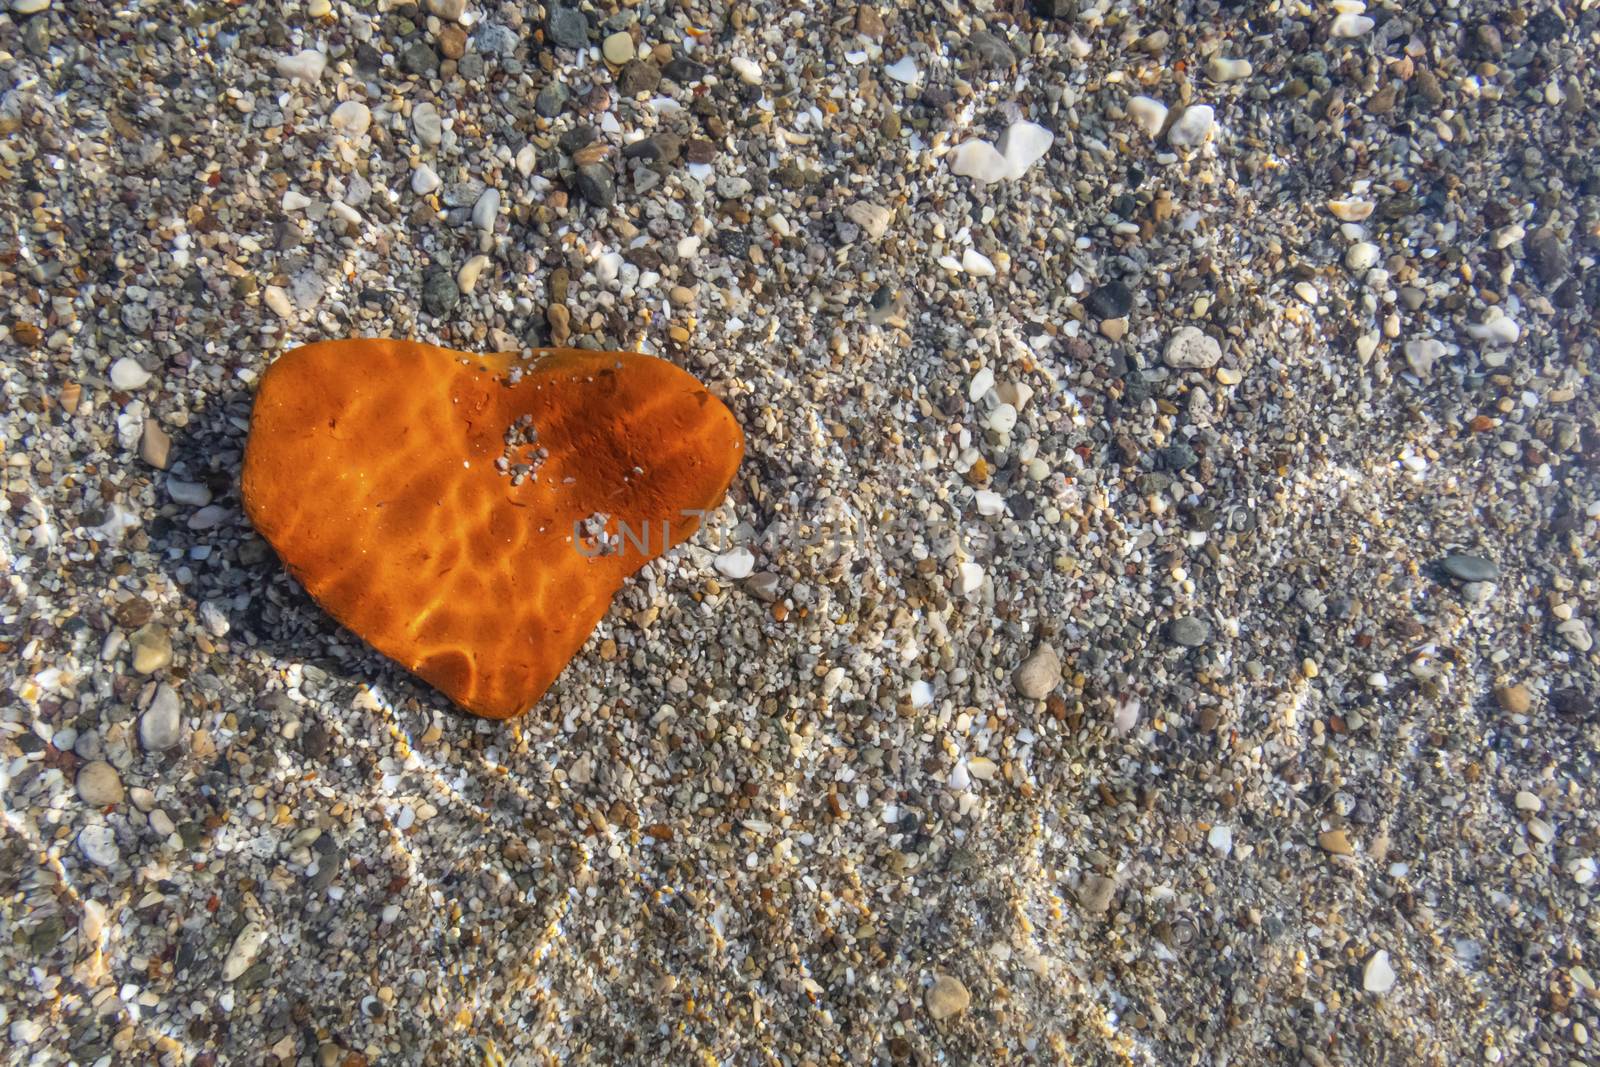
(371, 468)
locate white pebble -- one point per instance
(189, 494)
(1148, 113)
(1024, 144)
(352, 118)
(1378, 977)
(980, 161)
(1497, 329)
(306, 66)
(485, 210)
(525, 160)
(975, 262)
(127, 374)
(969, 579)
(905, 71)
(427, 123)
(1221, 838)
(981, 383)
(747, 69)
(161, 725)
(1002, 419)
(1361, 256)
(1351, 209)
(1192, 127)
(1351, 25)
(1422, 354)
(873, 218)
(1190, 349)
(277, 299)
(243, 953)
(295, 201)
(424, 180)
(989, 502)
(99, 845)
(736, 563)
(1228, 70)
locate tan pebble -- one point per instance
(678, 334)
(152, 648)
(70, 395)
(560, 323)
(1336, 842)
(155, 445)
(471, 270)
(1116, 329)
(947, 997)
(618, 48)
(1229, 376)
(99, 784)
(681, 295)
(1514, 698)
(1351, 209)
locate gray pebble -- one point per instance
(439, 292)
(161, 725)
(1466, 568)
(597, 185)
(551, 100)
(1188, 632)
(99, 845)
(567, 27)
(420, 59)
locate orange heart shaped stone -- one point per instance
(471, 516)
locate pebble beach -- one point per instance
(1154, 621)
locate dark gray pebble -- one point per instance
(439, 292)
(1466, 568)
(1189, 632)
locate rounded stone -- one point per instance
(161, 725)
(1112, 300)
(99, 845)
(152, 648)
(618, 48)
(1038, 674)
(1188, 632)
(947, 997)
(99, 784)
(1191, 349)
(1468, 568)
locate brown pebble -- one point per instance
(155, 445)
(1336, 842)
(1514, 698)
(453, 41)
(560, 323)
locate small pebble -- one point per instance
(1190, 349)
(128, 375)
(1378, 976)
(161, 725)
(99, 784)
(1039, 674)
(1469, 568)
(618, 48)
(1192, 127)
(152, 648)
(947, 997)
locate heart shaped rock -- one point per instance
(471, 516)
